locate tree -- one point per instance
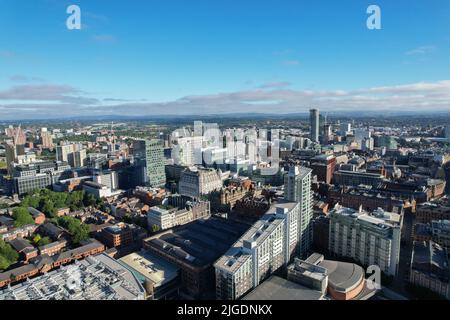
(89, 200)
(8, 255)
(22, 217)
(48, 207)
(44, 241)
(155, 228)
(77, 230)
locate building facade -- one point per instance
(368, 238)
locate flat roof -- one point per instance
(151, 267)
(276, 288)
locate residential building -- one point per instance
(267, 246)
(297, 188)
(368, 238)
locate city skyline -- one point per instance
(215, 58)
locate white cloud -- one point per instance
(421, 50)
(421, 96)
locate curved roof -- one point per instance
(343, 276)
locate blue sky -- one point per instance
(217, 56)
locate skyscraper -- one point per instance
(314, 124)
(297, 184)
(154, 159)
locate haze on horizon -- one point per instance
(178, 58)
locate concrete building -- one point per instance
(267, 246)
(38, 175)
(297, 184)
(369, 238)
(46, 139)
(430, 268)
(356, 178)
(94, 278)
(440, 233)
(73, 153)
(314, 125)
(195, 182)
(161, 279)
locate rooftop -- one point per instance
(276, 288)
(94, 278)
(151, 267)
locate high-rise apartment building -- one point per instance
(369, 238)
(74, 154)
(268, 245)
(314, 124)
(297, 188)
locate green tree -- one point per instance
(44, 241)
(77, 230)
(22, 217)
(8, 255)
(155, 228)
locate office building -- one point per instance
(38, 175)
(323, 167)
(74, 154)
(314, 125)
(430, 268)
(154, 158)
(440, 233)
(356, 178)
(369, 238)
(195, 182)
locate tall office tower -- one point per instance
(46, 138)
(297, 188)
(314, 124)
(369, 238)
(154, 160)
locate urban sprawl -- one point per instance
(315, 208)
